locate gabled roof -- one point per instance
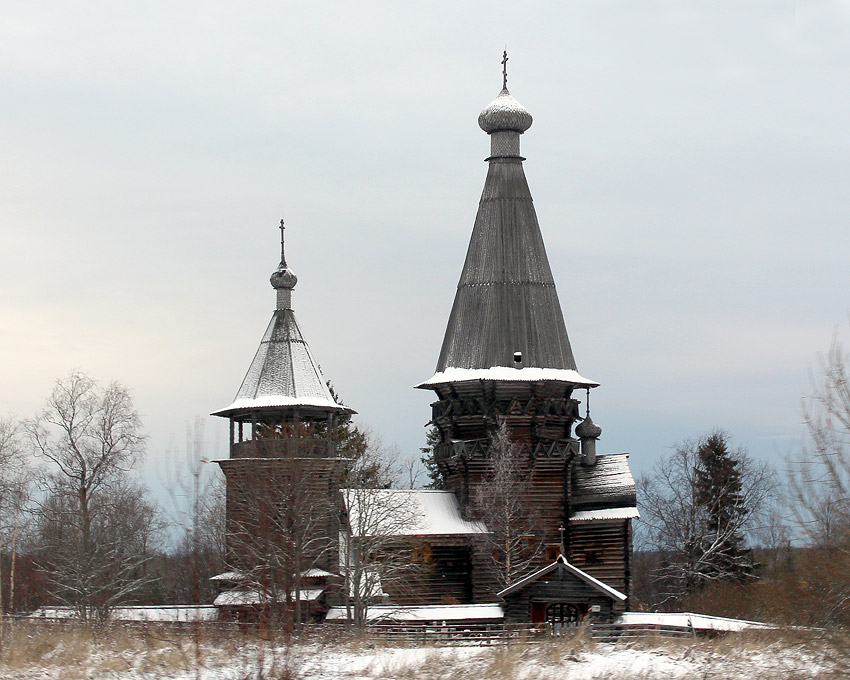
(244, 598)
(231, 577)
(405, 512)
(561, 563)
(283, 375)
(315, 572)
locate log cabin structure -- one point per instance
(506, 359)
(506, 363)
(283, 472)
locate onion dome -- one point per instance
(587, 429)
(504, 113)
(283, 277)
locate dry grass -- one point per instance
(74, 652)
(759, 654)
(496, 662)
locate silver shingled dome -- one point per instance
(283, 277)
(504, 113)
(588, 429)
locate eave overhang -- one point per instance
(279, 404)
(507, 374)
(575, 571)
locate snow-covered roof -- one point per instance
(315, 572)
(241, 576)
(687, 620)
(575, 571)
(604, 513)
(283, 374)
(242, 598)
(405, 512)
(448, 612)
(230, 576)
(606, 484)
(528, 374)
(162, 613)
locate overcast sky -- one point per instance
(689, 161)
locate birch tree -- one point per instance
(514, 540)
(378, 550)
(14, 492)
(94, 524)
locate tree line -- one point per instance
(77, 525)
(721, 533)
(79, 529)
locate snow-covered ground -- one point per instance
(130, 655)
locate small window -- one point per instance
(592, 557)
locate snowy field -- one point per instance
(49, 652)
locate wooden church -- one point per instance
(505, 366)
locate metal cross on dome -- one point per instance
(282, 256)
(505, 70)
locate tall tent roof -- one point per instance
(283, 375)
(506, 312)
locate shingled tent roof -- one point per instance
(283, 376)
(506, 301)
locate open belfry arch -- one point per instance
(506, 358)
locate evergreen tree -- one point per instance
(718, 494)
(697, 505)
(429, 460)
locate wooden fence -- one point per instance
(487, 634)
(477, 634)
(431, 634)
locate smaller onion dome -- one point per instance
(283, 277)
(504, 113)
(587, 429)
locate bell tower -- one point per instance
(283, 469)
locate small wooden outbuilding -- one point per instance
(561, 594)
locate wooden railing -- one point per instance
(474, 633)
(614, 632)
(423, 633)
(284, 448)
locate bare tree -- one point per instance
(515, 539)
(820, 475)
(15, 480)
(697, 505)
(378, 548)
(198, 494)
(819, 498)
(281, 523)
(94, 525)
